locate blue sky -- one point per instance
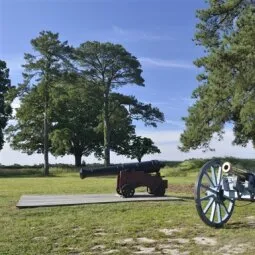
(158, 32)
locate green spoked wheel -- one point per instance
(212, 206)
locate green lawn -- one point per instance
(131, 228)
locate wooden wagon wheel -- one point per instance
(212, 206)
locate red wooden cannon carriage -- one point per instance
(133, 175)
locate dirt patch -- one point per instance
(110, 252)
(201, 240)
(126, 241)
(40, 238)
(145, 240)
(170, 231)
(145, 250)
(98, 247)
(251, 220)
(179, 240)
(232, 249)
(100, 234)
(174, 252)
(181, 188)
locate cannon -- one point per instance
(217, 188)
(133, 175)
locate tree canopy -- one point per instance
(227, 85)
(5, 100)
(44, 69)
(139, 146)
(69, 103)
(108, 66)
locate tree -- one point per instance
(5, 100)
(138, 147)
(27, 133)
(139, 111)
(45, 69)
(75, 131)
(226, 93)
(108, 66)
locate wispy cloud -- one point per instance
(138, 35)
(175, 123)
(156, 62)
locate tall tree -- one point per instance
(109, 66)
(227, 85)
(5, 101)
(45, 68)
(75, 112)
(139, 146)
(27, 132)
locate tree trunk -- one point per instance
(106, 129)
(139, 160)
(46, 141)
(77, 159)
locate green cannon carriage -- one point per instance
(218, 187)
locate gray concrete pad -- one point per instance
(27, 201)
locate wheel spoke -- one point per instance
(213, 176)
(213, 211)
(209, 188)
(206, 197)
(219, 176)
(208, 206)
(218, 212)
(224, 207)
(209, 179)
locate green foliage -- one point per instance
(44, 69)
(226, 91)
(5, 100)
(75, 113)
(69, 104)
(139, 146)
(27, 134)
(217, 20)
(108, 66)
(182, 169)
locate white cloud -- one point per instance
(167, 141)
(156, 62)
(175, 123)
(137, 35)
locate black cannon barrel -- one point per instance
(146, 166)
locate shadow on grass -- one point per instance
(184, 197)
(26, 174)
(240, 225)
(20, 173)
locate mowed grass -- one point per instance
(124, 228)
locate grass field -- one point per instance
(131, 228)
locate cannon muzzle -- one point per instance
(228, 168)
(153, 166)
